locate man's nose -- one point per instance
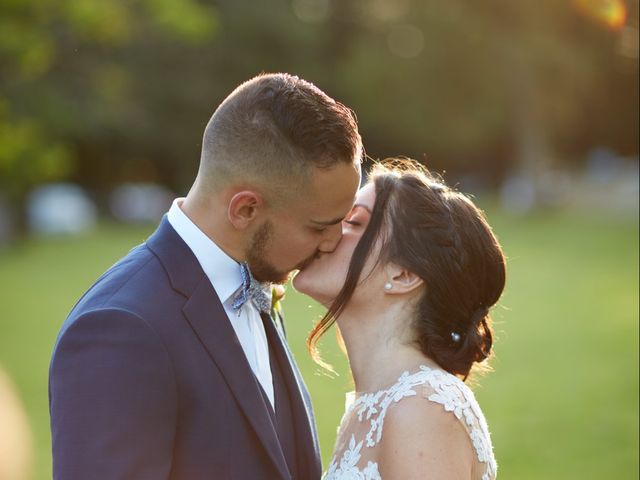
(331, 239)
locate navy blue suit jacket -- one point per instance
(148, 381)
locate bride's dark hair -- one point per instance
(441, 236)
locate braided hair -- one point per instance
(441, 236)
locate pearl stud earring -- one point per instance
(388, 286)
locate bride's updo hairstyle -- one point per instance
(440, 235)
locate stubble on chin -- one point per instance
(265, 273)
(261, 269)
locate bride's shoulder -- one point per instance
(425, 418)
(420, 434)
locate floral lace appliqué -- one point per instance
(439, 387)
(348, 467)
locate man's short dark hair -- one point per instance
(272, 130)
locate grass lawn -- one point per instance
(562, 402)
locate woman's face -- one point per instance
(323, 279)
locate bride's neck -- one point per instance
(379, 347)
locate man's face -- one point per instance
(291, 237)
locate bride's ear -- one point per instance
(399, 280)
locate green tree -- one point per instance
(62, 81)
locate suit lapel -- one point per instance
(209, 320)
(301, 402)
(207, 317)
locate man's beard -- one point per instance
(261, 269)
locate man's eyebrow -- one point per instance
(362, 205)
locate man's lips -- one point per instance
(310, 260)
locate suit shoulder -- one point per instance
(104, 321)
(128, 282)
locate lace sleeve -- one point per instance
(360, 434)
(457, 398)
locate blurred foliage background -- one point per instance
(99, 92)
(532, 105)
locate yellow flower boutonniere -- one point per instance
(277, 294)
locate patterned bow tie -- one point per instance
(251, 289)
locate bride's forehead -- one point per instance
(367, 195)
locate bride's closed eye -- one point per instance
(357, 220)
(359, 216)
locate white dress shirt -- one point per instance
(224, 275)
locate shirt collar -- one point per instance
(222, 270)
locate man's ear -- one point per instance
(243, 208)
(399, 280)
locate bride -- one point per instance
(410, 286)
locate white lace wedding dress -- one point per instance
(361, 427)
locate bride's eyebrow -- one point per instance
(335, 221)
(361, 205)
(327, 223)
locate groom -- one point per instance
(172, 365)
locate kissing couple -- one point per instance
(174, 364)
